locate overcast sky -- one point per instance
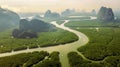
(57, 5)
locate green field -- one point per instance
(61, 20)
(7, 43)
(34, 59)
(92, 23)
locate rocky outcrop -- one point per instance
(50, 15)
(105, 14)
(29, 29)
(34, 25)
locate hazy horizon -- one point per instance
(23, 6)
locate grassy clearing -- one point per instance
(7, 43)
(34, 59)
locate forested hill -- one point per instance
(8, 19)
(29, 29)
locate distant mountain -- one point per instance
(29, 14)
(47, 14)
(8, 19)
(68, 12)
(105, 14)
(117, 13)
(34, 25)
(39, 17)
(51, 15)
(93, 12)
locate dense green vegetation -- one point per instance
(83, 23)
(113, 61)
(103, 43)
(8, 43)
(51, 61)
(93, 23)
(34, 59)
(75, 18)
(76, 60)
(62, 19)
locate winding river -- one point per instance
(63, 49)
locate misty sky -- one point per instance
(57, 5)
